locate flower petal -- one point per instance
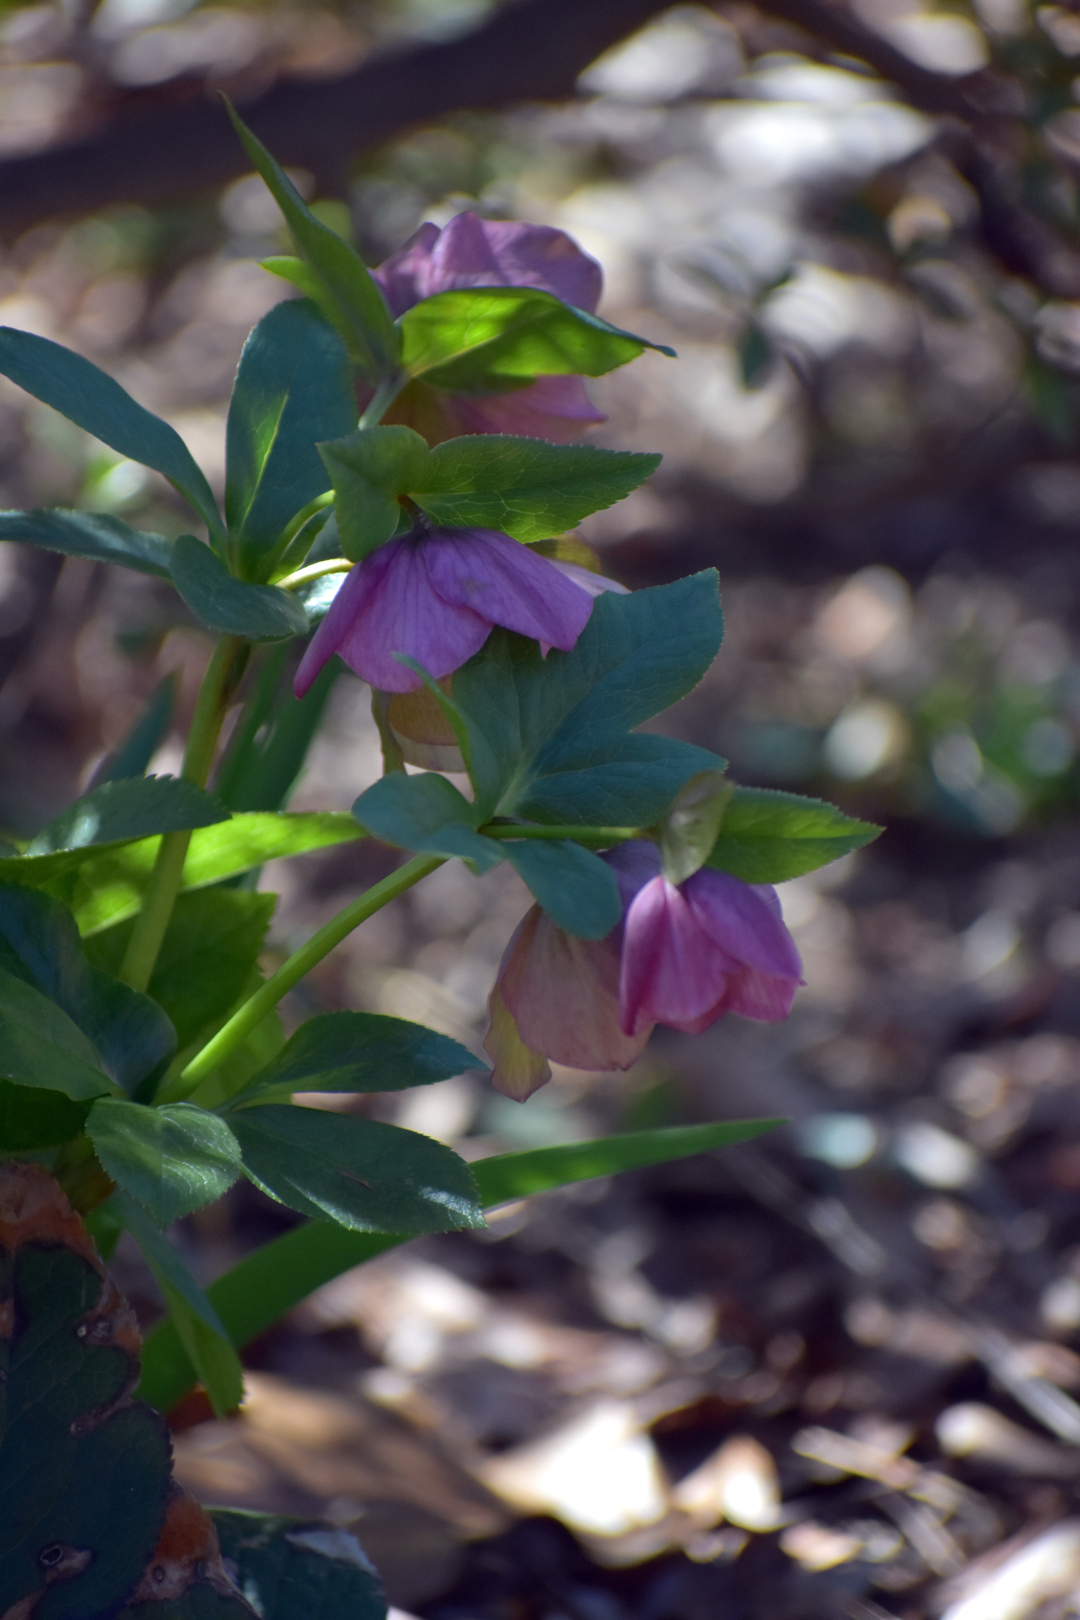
(634, 864)
(334, 627)
(507, 583)
(553, 408)
(671, 972)
(563, 994)
(519, 1070)
(745, 921)
(541, 256)
(397, 609)
(404, 274)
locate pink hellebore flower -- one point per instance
(474, 252)
(435, 595)
(682, 955)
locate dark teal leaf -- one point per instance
(144, 739)
(40, 944)
(576, 888)
(363, 1174)
(258, 612)
(338, 279)
(355, 1051)
(40, 1046)
(525, 487)
(291, 1569)
(136, 807)
(550, 738)
(768, 837)
(293, 388)
(172, 1160)
(269, 744)
(90, 534)
(369, 471)
(31, 1118)
(94, 401)
(198, 1324)
(81, 1466)
(492, 338)
(212, 943)
(428, 814)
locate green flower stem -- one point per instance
(219, 683)
(383, 398)
(602, 836)
(335, 565)
(266, 998)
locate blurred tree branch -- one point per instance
(530, 50)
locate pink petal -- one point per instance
(519, 1070)
(403, 276)
(540, 256)
(744, 921)
(553, 408)
(508, 584)
(396, 608)
(634, 863)
(595, 584)
(333, 628)
(671, 973)
(763, 996)
(563, 995)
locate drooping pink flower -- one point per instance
(435, 595)
(474, 252)
(681, 956)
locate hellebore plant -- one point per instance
(143, 1064)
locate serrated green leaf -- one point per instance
(172, 1160)
(341, 281)
(94, 401)
(426, 813)
(129, 1036)
(484, 339)
(136, 807)
(94, 535)
(575, 887)
(269, 1282)
(212, 943)
(354, 1051)
(108, 887)
(769, 837)
(200, 1328)
(369, 471)
(293, 388)
(31, 1118)
(526, 488)
(228, 605)
(551, 739)
(292, 1569)
(81, 1468)
(361, 1173)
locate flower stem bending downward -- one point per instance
(266, 998)
(219, 683)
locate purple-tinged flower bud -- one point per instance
(474, 252)
(435, 595)
(682, 956)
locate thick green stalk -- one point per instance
(222, 674)
(321, 943)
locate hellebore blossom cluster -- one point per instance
(474, 252)
(681, 956)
